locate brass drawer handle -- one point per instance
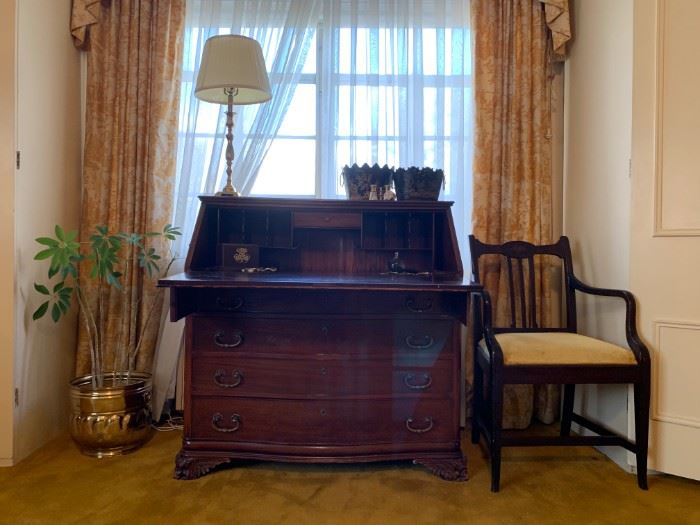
(226, 304)
(427, 422)
(409, 381)
(236, 340)
(236, 376)
(419, 343)
(218, 418)
(413, 306)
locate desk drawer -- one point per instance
(323, 422)
(331, 220)
(316, 378)
(291, 301)
(419, 339)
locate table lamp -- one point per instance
(232, 71)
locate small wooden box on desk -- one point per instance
(331, 358)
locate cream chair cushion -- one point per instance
(559, 348)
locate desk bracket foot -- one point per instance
(449, 469)
(188, 467)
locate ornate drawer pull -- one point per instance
(419, 343)
(237, 340)
(414, 307)
(236, 376)
(408, 380)
(233, 304)
(428, 425)
(217, 418)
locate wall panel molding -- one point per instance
(661, 328)
(663, 200)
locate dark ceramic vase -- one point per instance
(421, 184)
(359, 179)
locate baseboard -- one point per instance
(7, 462)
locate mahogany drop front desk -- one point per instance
(334, 357)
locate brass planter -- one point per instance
(114, 419)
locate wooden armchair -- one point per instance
(524, 353)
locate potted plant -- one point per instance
(111, 412)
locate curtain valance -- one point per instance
(84, 14)
(556, 13)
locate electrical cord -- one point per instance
(170, 424)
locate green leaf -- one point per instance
(58, 286)
(39, 312)
(55, 313)
(153, 269)
(62, 306)
(131, 238)
(44, 254)
(53, 270)
(114, 281)
(41, 289)
(71, 236)
(71, 269)
(172, 230)
(47, 241)
(60, 235)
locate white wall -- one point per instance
(47, 192)
(597, 187)
(7, 172)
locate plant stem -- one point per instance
(92, 338)
(149, 315)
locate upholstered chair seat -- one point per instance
(558, 348)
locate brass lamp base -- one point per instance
(228, 193)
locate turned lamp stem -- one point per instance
(229, 189)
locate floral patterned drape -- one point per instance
(133, 89)
(512, 157)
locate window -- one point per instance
(385, 81)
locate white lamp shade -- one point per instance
(232, 61)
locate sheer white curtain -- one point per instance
(285, 30)
(396, 89)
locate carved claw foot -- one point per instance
(450, 469)
(188, 467)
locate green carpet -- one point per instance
(552, 485)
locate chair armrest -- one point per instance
(633, 340)
(483, 325)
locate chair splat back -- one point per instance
(519, 262)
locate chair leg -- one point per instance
(477, 400)
(641, 430)
(496, 424)
(567, 409)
